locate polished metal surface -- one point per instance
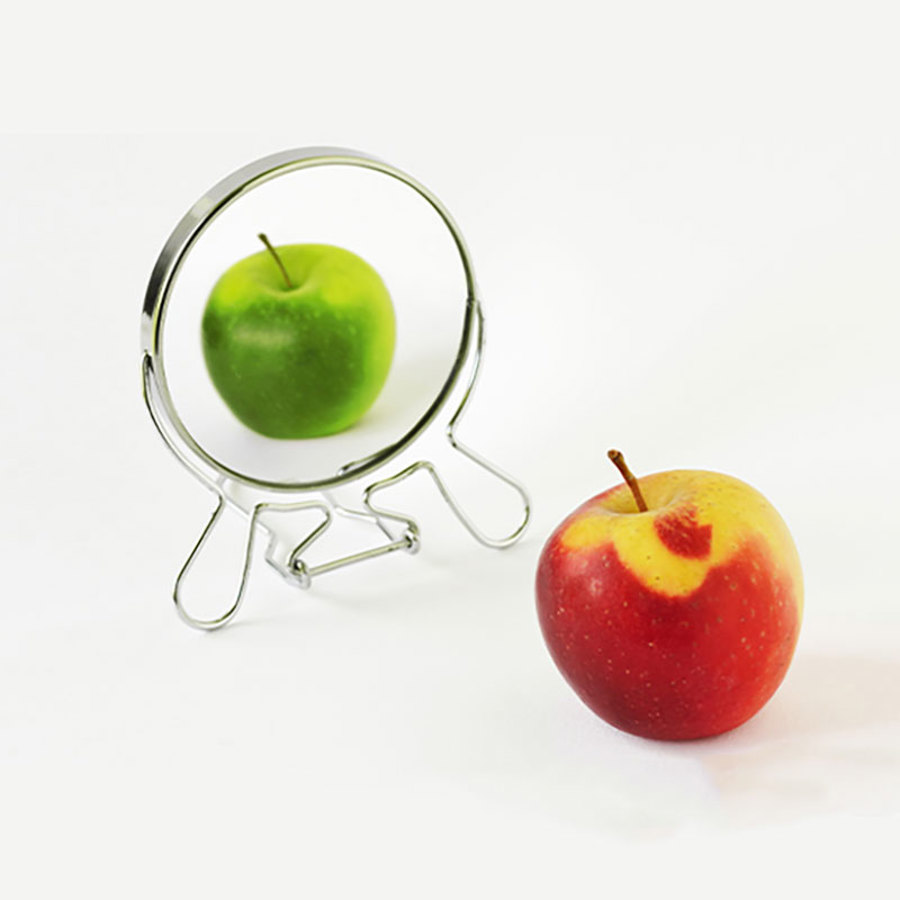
(232, 487)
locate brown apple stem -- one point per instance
(271, 250)
(630, 480)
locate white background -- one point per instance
(685, 223)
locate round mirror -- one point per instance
(336, 201)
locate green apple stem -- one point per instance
(271, 250)
(630, 480)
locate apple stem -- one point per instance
(271, 250)
(630, 480)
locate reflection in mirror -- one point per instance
(358, 301)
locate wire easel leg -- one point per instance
(291, 568)
(466, 520)
(226, 617)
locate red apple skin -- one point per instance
(662, 664)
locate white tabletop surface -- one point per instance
(686, 233)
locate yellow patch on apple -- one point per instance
(730, 509)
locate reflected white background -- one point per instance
(684, 223)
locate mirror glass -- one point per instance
(377, 218)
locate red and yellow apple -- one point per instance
(677, 621)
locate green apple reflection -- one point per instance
(298, 340)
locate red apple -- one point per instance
(673, 617)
